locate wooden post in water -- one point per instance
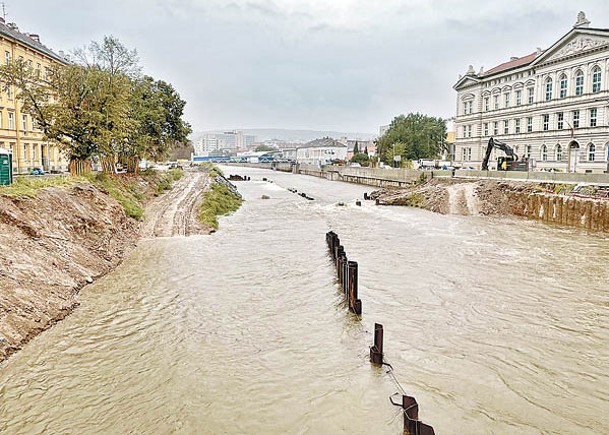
(376, 351)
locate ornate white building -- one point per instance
(551, 106)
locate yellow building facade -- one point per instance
(18, 132)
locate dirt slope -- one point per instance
(54, 244)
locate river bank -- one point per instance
(580, 206)
(54, 240)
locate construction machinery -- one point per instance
(509, 162)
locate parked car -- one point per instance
(37, 171)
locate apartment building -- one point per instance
(18, 132)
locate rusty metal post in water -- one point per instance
(376, 351)
(355, 305)
(341, 269)
(340, 250)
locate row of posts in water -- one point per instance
(347, 272)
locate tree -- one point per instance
(157, 110)
(413, 137)
(355, 149)
(264, 148)
(73, 106)
(110, 55)
(101, 107)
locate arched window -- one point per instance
(591, 151)
(558, 153)
(544, 153)
(579, 83)
(548, 89)
(596, 79)
(563, 86)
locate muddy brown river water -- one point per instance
(497, 326)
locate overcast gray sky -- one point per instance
(348, 65)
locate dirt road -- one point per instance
(175, 212)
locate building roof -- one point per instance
(323, 142)
(514, 63)
(10, 30)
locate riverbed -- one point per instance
(496, 326)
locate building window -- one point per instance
(468, 131)
(506, 127)
(486, 128)
(529, 124)
(495, 128)
(527, 151)
(506, 98)
(593, 116)
(11, 121)
(495, 102)
(596, 79)
(517, 126)
(9, 92)
(487, 104)
(7, 57)
(518, 97)
(579, 83)
(576, 119)
(563, 86)
(548, 89)
(544, 153)
(558, 153)
(591, 151)
(560, 116)
(546, 122)
(24, 122)
(37, 70)
(24, 151)
(467, 154)
(468, 107)
(531, 95)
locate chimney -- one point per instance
(513, 58)
(35, 37)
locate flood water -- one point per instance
(496, 326)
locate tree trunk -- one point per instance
(133, 164)
(107, 164)
(79, 166)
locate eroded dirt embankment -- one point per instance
(54, 244)
(566, 205)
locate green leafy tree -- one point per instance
(355, 149)
(157, 110)
(101, 107)
(413, 137)
(264, 148)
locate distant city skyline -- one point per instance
(346, 65)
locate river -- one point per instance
(496, 326)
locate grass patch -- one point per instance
(125, 192)
(130, 191)
(218, 201)
(210, 168)
(29, 187)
